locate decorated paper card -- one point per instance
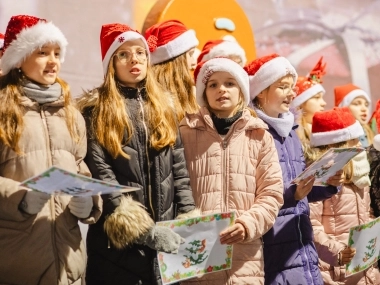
(366, 240)
(56, 181)
(202, 252)
(328, 164)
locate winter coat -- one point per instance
(240, 173)
(332, 220)
(289, 253)
(165, 191)
(45, 248)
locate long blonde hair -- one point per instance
(110, 123)
(12, 112)
(175, 76)
(369, 133)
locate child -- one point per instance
(233, 166)
(289, 253)
(39, 127)
(172, 48)
(133, 141)
(333, 218)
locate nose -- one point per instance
(323, 103)
(53, 58)
(134, 58)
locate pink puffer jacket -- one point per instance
(332, 220)
(241, 173)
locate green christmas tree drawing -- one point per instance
(197, 253)
(371, 249)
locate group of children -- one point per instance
(228, 139)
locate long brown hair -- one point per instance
(12, 112)
(110, 123)
(175, 76)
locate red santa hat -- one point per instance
(334, 126)
(112, 36)
(310, 85)
(266, 70)
(24, 34)
(205, 69)
(226, 48)
(345, 94)
(1, 41)
(169, 39)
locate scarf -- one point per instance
(223, 125)
(42, 93)
(361, 170)
(283, 124)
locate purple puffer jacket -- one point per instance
(289, 253)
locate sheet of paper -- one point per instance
(364, 239)
(328, 164)
(202, 252)
(56, 181)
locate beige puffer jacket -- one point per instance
(46, 248)
(332, 220)
(240, 173)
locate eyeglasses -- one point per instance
(286, 90)
(126, 56)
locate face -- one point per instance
(131, 63)
(43, 65)
(223, 94)
(313, 105)
(354, 143)
(191, 60)
(276, 99)
(359, 107)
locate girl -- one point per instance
(289, 253)
(133, 141)
(359, 103)
(39, 128)
(172, 48)
(233, 165)
(333, 218)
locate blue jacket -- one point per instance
(289, 253)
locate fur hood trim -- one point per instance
(192, 214)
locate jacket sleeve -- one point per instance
(320, 193)
(269, 191)
(183, 194)
(327, 248)
(11, 195)
(374, 160)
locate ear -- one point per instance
(261, 95)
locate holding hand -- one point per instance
(81, 206)
(233, 234)
(337, 179)
(346, 255)
(304, 187)
(33, 202)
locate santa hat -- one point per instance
(310, 85)
(1, 41)
(266, 70)
(24, 34)
(334, 126)
(205, 69)
(224, 48)
(345, 94)
(112, 36)
(169, 39)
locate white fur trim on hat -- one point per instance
(28, 40)
(221, 64)
(269, 73)
(128, 36)
(227, 48)
(307, 94)
(325, 138)
(174, 48)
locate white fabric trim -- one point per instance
(176, 47)
(28, 40)
(221, 64)
(307, 94)
(269, 73)
(325, 138)
(226, 48)
(128, 36)
(1, 43)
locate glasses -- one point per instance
(286, 90)
(126, 56)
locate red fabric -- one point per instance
(197, 69)
(207, 48)
(1, 41)
(252, 67)
(16, 24)
(341, 91)
(332, 120)
(162, 33)
(376, 116)
(315, 76)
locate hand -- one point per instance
(337, 179)
(81, 206)
(233, 234)
(346, 255)
(162, 239)
(304, 187)
(33, 202)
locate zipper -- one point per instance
(139, 99)
(224, 177)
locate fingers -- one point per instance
(233, 234)
(81, 206)
(304, 187)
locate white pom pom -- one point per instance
(376, 142)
